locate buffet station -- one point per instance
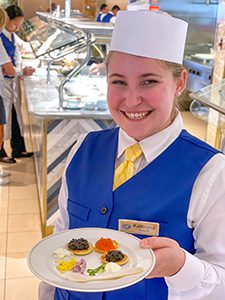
(63, 100)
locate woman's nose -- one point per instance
(133, 98)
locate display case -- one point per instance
(66, 104)
(51, 38)
(212, 96)
(68, 45)
(209, 98)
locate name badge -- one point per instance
(139, 227)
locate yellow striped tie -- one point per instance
(126, 169)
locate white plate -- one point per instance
(74, 105)
(42, 262)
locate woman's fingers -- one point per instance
(170, 257)
(157, 242)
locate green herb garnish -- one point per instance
(93, 272)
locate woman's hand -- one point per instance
(28, 71)
(97, 68)
(8, 69)
(94, 68)
(170, 257)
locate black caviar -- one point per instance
(114, 256)
(78, 244)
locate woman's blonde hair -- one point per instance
(3, 17)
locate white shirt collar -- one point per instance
(6, 32)
(153, 145)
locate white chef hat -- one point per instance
(149, 34)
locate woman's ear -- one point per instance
(181, 83)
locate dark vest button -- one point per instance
(104, 210)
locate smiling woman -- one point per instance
(141, 93)
(166, 180)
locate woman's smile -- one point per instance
(136, 115)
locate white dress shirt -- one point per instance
(203, 274)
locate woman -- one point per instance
(178, 180)
(10, 86)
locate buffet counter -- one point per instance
(54, 131)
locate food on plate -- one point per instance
(80, 246)
(80, 266)
(104, 245)
(109, 268)
(98, 270)
(112, 267)
(116, 256)
(66, 265)
(61, 253)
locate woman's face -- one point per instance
(141, 93)
(14, 24)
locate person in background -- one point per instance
(114, 11)
(53, 7)
(101, 68)
(149, 169)
(110, 17)
(104, 10)
(4, 175)
(10, 86)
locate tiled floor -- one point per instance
(20, 225)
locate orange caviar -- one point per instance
(105, 244)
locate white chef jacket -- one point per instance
(203, 274)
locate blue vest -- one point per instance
(159, 193)
(99, 17)
(107, 18)
(9, 47)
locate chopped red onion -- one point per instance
(80, 266)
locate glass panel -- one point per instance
(50, 38)
(214, 92)
(212, 95)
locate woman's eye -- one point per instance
(119, 82)
(148, 82)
